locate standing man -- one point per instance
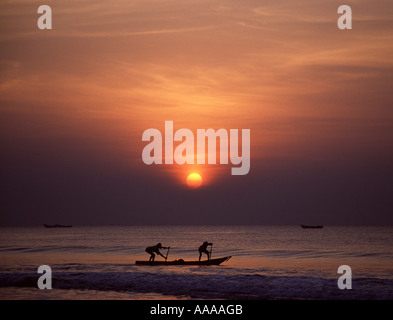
(203, 249)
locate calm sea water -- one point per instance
(268, 262)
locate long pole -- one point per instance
(167, 253)
(211, 249)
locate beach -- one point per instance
(267, 262)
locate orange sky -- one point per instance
(309, 92)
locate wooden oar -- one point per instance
(211, 249)
(167, 253)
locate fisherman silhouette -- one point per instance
(203, 249)
(155, 249)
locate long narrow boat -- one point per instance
(181, 262)
(311, 227)
(56, 226)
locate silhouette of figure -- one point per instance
(155, 249)
(203, 249)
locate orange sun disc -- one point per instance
(194, 180)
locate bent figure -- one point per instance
(203, 249)
(155, 249)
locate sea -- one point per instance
(267, 263)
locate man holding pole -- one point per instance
(155, 249)
(203, 249)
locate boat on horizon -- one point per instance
(181, 262)
(56, 226)
(310, 227)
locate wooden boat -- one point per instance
(311, 227)
(56, 226)
(181, 262)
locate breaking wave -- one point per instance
(209, 286)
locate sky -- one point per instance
(75, 101)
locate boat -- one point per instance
(56, 226)
(181, 262)
(311, 227)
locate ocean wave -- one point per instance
(260, 253)
(45, 248)
(209, 286)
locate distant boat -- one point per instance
(181, 262)
(311, 227)
(56, 226)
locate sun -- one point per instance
(194, 180)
